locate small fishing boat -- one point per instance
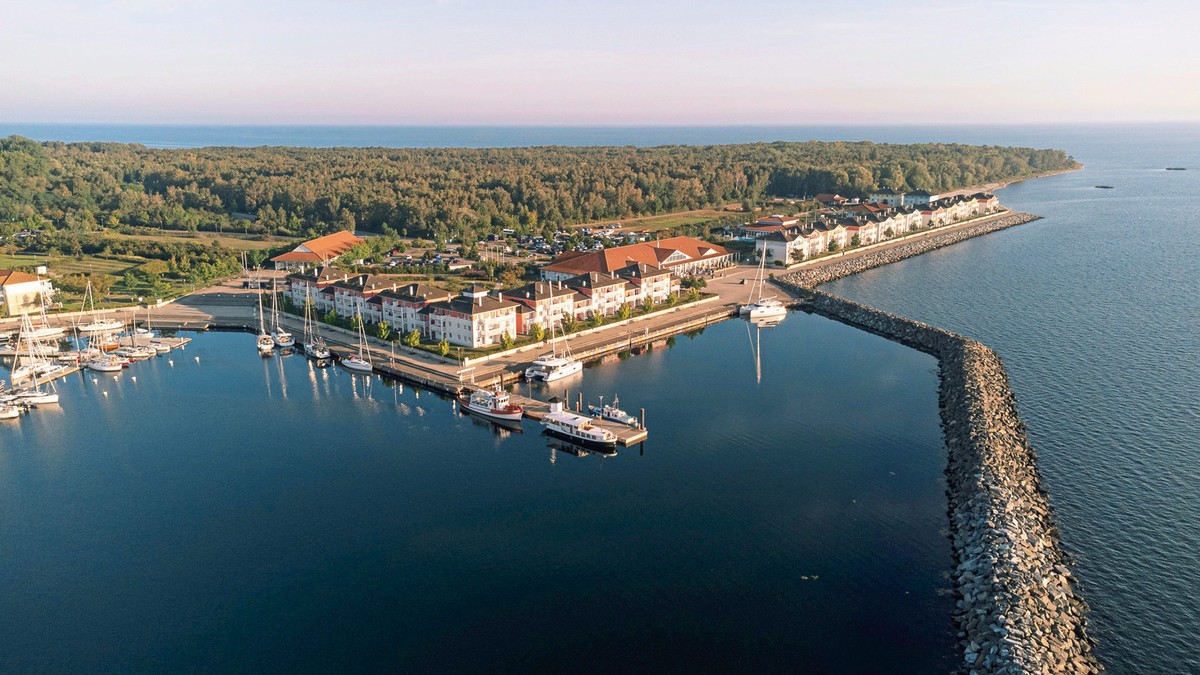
(614, 413)
(495, 404)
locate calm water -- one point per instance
(1096, 310)
(235, 513)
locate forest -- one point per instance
(453, 192)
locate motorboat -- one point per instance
(551, 368)
(495, 404)
(9, 412)
(614, 413)
(577, 428)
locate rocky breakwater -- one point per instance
(836, 268)
(1017, 610)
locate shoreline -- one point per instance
(1017, 608)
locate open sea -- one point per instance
(242, 514)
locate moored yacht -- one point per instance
(551, 368)
(495, 404)
(577, 428)
(613, 412)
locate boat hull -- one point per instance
(491, 413)
(357, 366)
(589, 443)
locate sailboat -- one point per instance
(762, 307)
(553, 367)
(360, 362)
(314, 344)
(36, 364)
(98, 324)
(33, 394)
(265, 342)
(282, 338)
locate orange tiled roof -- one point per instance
(14, 277)
(652, 253)
(321, 248)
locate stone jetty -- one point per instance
(1017, 610)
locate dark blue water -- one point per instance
(234, 513)
(1096, 311)
(190, 136)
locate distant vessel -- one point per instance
(1105, 187)
(577, 428)
(614, 413)
(1176, 168)
(98, 324)
(9, 412)
(495, 404)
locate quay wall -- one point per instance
(1017, 610)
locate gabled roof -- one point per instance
(13, 277)
(321, 249)
(471, 306)
(653, 253)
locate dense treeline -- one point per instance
(440, 192)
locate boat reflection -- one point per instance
(558, 444)
(501, 428)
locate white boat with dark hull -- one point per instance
(495, 404)
(577, 428)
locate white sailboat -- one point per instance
(360, 362)
(34, 394)
(98, 324)
(266, 344)
(282, 338)
(553, 367)
(762, 307)
(314, 344)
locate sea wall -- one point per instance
(1017, 610)
(837, 268)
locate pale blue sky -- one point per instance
(621, 62)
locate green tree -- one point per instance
(537, 333)
(624, 312)
(383, 331)
(597, 319)
(568, 324)
(672, 299)
(355, 322)
(506, 341)
(413, 339)
(693, 294)
(331, 317)
(444, 347)
(648, 305)
(833, 245)
(797, 254)
(855, 241)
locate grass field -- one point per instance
(10, 261)
(206, 239)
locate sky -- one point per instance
(534, 62)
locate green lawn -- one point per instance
(10, 261)
(206, 239)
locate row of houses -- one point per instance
(795, 241)
(478, 317)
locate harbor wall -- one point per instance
(1017, 610)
